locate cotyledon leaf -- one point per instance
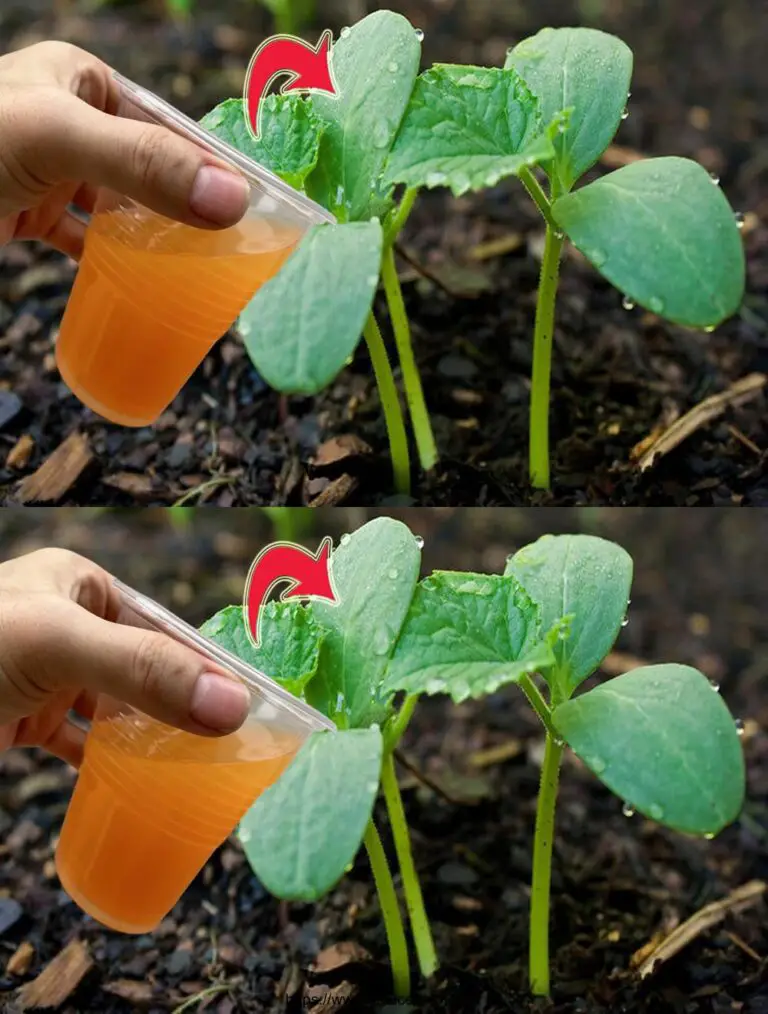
(582, 577)
(375, 570)
(664, 235)
(302, 832)
(663, 740)
(586, 72)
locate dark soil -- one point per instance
(699, 597)
(619, 377)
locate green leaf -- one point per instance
(665, 235)
(661, 739)
(467, 128)
(302, 326)
(290, 134)
(301, 834)
(375, 571)
(466, 635)
(585, 578)
(585, 71)
(290, 641)
(374, 65)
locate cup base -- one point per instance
(94, 912)
(98, 407)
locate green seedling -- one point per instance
(660, 229)
(657, 736)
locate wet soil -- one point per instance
(619, 378)
(699, 598)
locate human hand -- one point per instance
(63, 138)
(59, 651)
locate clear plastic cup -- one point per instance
(152, 296)
(151, 802)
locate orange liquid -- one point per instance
(151, 298)
(150, 806)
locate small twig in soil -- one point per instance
(435, 787)
(744, 439)
(496, 754)
(193, 1001)
(737, 394)
(426, 273)
(198, 492)
(707, 917)
(744, 946)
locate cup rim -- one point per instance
(258, 176)
(258, 683)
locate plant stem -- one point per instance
(414, 392)
(390, 403)
(537, 195)
(400, 217)
(420, 929)
(390, 911)
(536, 700)
(398, 726)
(542, 361)
(538, 957)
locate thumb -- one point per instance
(73, 142)
(51, 644)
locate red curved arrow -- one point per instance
(308, 69)
(308, 576)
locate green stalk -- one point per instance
(542, 360)
(394, 733)
(390, 403)
(536, 700)
(400, 217)
(538, 957)
(390, 911)
(420, 929)
(414, 392)
(537, 195)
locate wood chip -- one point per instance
(340, 448)
(134, 483)
(496, 754)
(59, 979)
(21, 452)
(21, 959)
(737, 394)
(58, 472)
(497, 247)
(346, 952)
(133, 990)
(707, 917)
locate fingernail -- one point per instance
(219, 196)
(219, 703)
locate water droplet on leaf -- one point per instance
(739, 216)
(625, 621)
(345, 539)
(715, 179)
(628, 810)
(598, 257)
(419, 542)
(381, 135)
(420, 35)
(656, 305)
(709, 836)
(393, 67)
(739, 727)
(345, 32)
(244, 835)
(597, 764)
(625, 114)
(627, 303)
(715, 686)
(393, 573)
(710, 329)
(656, 811)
